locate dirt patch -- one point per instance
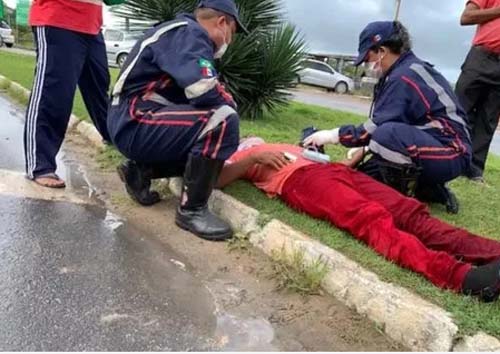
(239, 280)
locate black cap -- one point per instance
(228, 7)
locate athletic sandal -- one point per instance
(50, 180)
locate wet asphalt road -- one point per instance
(344, 103)
(76, 278)
(71, 281)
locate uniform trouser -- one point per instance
(65, 59)
(399, 228)
(405, 144)
(478, 89)
(169, 134)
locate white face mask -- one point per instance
(375, 68)
(222, 50)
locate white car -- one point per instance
(6, 36)
(119, 44)
(317, 73)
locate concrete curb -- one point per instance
(89, 132)
(481, 342)
(83, 127)
(406, 318)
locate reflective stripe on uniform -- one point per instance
(154, 38)
(432, 125)
(389, 155)
(444, 98)
(369, 126)
(200, 87)
(217, 118)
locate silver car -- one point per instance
(6, 36)
(119, 44)
(317, 73)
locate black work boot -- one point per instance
(475, 174)
(193, 215)
(439, 193)
(137, 181)
(483, 282)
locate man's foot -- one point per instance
(477, 179)
(138, 183)
(483, 282)
(475, 174)
(50, 180)
(452, 204)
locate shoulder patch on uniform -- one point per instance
(207, 68)
(204, 63)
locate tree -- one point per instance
(258, 68)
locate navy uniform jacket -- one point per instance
(173, 64)
(414, 93)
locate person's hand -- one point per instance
(323, 137)
(272, 159)
(355, 156)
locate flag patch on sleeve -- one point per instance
(207, 68)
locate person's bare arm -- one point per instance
(473, 15)
(234, 171)
(355, 159)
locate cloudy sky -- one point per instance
(333, 26)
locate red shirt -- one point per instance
(267, 178)
(488, 34)
(83, 16)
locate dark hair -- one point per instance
(399, 42)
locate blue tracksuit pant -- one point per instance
(65, 59)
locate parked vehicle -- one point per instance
(118, 44)
(6, 36)
(317, 73)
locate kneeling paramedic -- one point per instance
(417, 128)
(171, 116)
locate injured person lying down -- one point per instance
(399, 228)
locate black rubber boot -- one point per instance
(483, 282)
(193, 215)
(439, 193)
(137, 181)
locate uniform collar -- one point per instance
(409, 55)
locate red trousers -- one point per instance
(399, 228)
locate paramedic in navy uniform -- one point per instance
(170, 115)
(416, 118)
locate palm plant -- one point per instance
(258, 68)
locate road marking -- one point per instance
(16, 185)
